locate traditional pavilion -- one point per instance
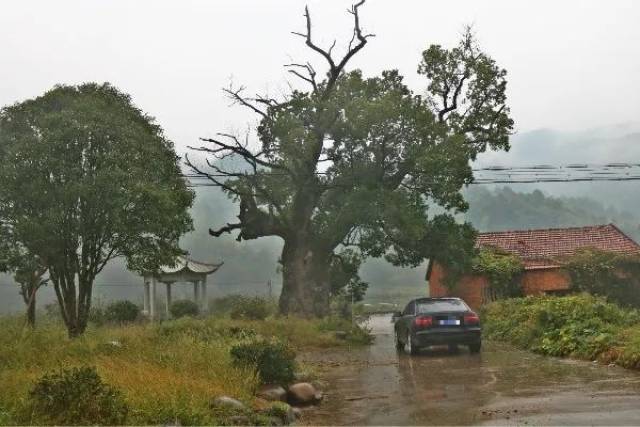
(185, 270)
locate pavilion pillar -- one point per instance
(203, 295)
(168, 300)
(152, 299)
(196, 292)
(145, 297)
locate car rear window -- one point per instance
(440, 305)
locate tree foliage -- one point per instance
(356, 162)
(88, 177)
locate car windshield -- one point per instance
(439, 305)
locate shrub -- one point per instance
(182, 308)
(76, 396)
(608, 274)
(222, 306)
(580, 325)
(121, 312)
(273, 360)
(250, 308)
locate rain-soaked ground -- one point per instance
(502, 385)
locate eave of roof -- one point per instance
(185, 264)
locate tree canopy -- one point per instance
(88, 177)
(355, 163)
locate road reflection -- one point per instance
(377, 386)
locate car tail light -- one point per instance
(471, 319)
(423, 321)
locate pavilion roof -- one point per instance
(186, 264)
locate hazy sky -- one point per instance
(571, 64)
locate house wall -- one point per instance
(536, 282)
(473, 288)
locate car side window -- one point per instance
(410, 309)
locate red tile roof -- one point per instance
(539, 248)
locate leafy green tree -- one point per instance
(88, 177)
(28, 270)
(355, 162)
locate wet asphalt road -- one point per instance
(500, 386)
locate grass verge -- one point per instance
(167, 372)
(579, 326)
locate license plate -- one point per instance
(450, 322)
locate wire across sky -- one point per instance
(577, 172)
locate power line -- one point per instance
(575, 172)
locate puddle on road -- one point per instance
(377, 386)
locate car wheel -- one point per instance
(412, 349)
(399, 344)
(453, 348)
(475, 348)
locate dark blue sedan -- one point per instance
(437, 321)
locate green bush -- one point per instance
(581, 326)
(222, 306)
(273, 360)
(250, 308)
(75, 396)
(121, 312)
(183, 308)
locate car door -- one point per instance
(404, 323)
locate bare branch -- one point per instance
(309, 69)
(224, 149)
(312, 45)
(236, 96)
(226, 229)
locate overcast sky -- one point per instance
(571, 64)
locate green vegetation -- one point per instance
(75, 396)
(189, 360)
(502, 269)
(87, 177)
(184, 308)
(250, 308)
(350, 165)
(581, 326)
(273, 360)
(117, 312)
(506, 209)
(608, 274)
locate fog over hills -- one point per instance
(248, 266)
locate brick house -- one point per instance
(538, 249)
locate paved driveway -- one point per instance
(502, 385)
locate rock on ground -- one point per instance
(226, 402)
(273, 393)
(303, 394)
